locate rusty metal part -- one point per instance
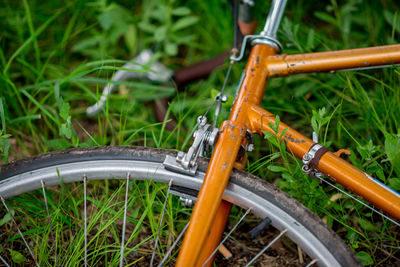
(341, 152)
(284, 65)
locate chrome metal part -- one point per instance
(308, 157)
(122, 250)
(204, 137)
(256, 39)
(170, 163)
(166, 257)
(141, 67)
(248, 2)
(186, 199)
(227, 236)
(274, 18)
(265, 248)
(4, 262)
(187, 202)
(315, 137)
(154, 171)
(160, 224)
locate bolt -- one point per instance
(250, 147)
(306, 169)
(224, 98)
(306, 157)
(186, 201)
(181, 154)
(202, 120)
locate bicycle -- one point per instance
(160, 165)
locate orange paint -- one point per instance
(335, 167)
(246, 114)
(284, 65)
(216, 232)
(210, 194)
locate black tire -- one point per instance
(24, 171)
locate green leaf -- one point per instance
(364, 258)
(2, 117)
(314, 124)
(114, 16)
(181, 11)
(325, 17)
(271, 138)
(131, 37)
(276, 168)
(160, 33)
(393, 20)
(17, 257)
(86, 43)
(392, 149)
(4, 147)
(7, 217)
(58, 144)
(367, 225)
(64, 110)
(184, 23)
(394, 183)
(147, 27)
(171, 49)
(66, 129)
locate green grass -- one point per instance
(55, 59)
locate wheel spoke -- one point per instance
(266, 247)
(173, 245)
(19, 230)
(3, 260)
(227, 236)
(49, 221)
(312, 262)
(160, 224)
(121, 261)
(85, 216)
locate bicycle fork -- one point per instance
(233, 132)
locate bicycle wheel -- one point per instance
(108, 163)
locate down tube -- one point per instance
(333, 166)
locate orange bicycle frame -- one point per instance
(247, 115)
(210, 213)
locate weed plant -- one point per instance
(55, 59)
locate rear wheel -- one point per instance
(138, 212)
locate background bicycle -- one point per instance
(43, 111)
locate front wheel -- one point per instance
(36, 188)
